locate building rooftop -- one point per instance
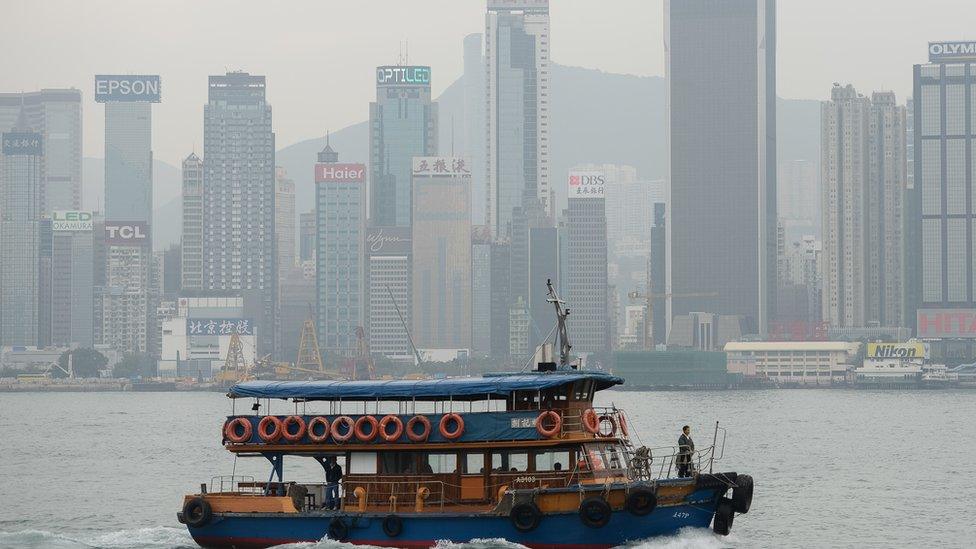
(792, 346)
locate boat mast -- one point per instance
(561, 314)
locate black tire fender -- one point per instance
(338, 531)
(641, 502)
(742, 494)
(525, 517)
(197, 512)
(595, 512)
(724, 515)
(392, 526)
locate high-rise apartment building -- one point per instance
(721, 73)
(21, 161)
(863, 165)
(388, 297)
(56, 115)
(501, 292)
(474, 123)
(480, 289)
(306, 236)
(543, 266)
(284, 218)
(340, 208)
(239, 194)
(441, 253)
(586, 231)
(518, 86)
(402, 125)
(191, 241)
(940, 251)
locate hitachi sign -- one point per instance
(941, 51)
(340, 173)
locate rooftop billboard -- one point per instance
(946, 323)
(951, 51)
(398, 75)
(22, 144)
(127, 88)
(448, 166)
(587, 184)
(340, 173)
(126, 233)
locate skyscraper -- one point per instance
(239, 194)
(402, 125)
(388, 297)
(128, 204)
(941, 250)
(284, 219)
(20, 201)
(863, 163)
(56, 115)
(480, 289)
(72, 278)
(340, 209)
(586, 231)
(306, 236)
(441, 252)
(518, 84)
(191, 241)
(474, 123)
(721, 71)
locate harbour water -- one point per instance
(833, 468)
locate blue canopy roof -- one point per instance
(463, 388)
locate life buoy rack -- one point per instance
(591, 422)
(337, 434)
(412, 433)
(607, 418)
(554, 418)
(361, 434)
(230, 430)
(445, 423)
(397, 430)
(313, 424)
(623, 425)
(286, 425)
(263, 432)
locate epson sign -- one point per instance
(948, 51)
(127, 88)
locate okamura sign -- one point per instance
(126, 233)
(948, 51)
(340, 173)
(127, 88)
(401, 75)
(71, 220)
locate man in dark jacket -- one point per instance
(333, 475)
(686, 447)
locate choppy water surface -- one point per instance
(832, 468)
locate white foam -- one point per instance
(686, 538)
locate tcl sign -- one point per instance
(126, 233)
(340, 173)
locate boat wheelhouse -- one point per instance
(526, 457)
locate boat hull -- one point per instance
(562, 530)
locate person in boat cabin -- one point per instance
(333, 475)
(686, 447)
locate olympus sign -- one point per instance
(941, 51)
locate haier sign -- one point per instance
(399, 75)
(340, 173)
(127, 88)
(951, 51)
(126, 233)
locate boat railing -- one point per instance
(394, 492)
(663, 461)
(222, 484)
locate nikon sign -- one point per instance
(940, 52)
(127, 88)
(71, 220)
(896, 350)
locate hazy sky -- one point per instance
(319, 55)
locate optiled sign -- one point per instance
(946, 323)
(340, 173)
(587, 184)
(22, 144)
(896, 350)
(947, 51)
(127, 88)
(388, 240)
(71, 220)
(403, 75)
(126, 233)
(219, 326)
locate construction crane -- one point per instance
(235, 369)
(363, 355)
(649, 313)
(309, 361)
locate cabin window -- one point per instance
(362, 463)
(474, 463)
(510, 462)
(557, 460)
(440, 464)
(581, 390)
(395, 463)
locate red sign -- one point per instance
(946, 323)
(340, 173)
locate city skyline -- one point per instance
(870, 47)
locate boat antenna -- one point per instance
(416, 353)
(561, 314)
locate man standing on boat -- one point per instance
(333, 474)
(686, 447)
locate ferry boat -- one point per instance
(525, 456)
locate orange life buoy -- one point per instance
(397, 431)
(274, 435)
(623, 425)
(338, 435)
(412, 434)
(446, 419)
(590, 421)
(613, 426)
(230, 430)
(557, 423)
(373, 428)
(286, 431)
(315, 422)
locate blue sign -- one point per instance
(396, 75)
(219, 326)
(22, 143)
(127, 88)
